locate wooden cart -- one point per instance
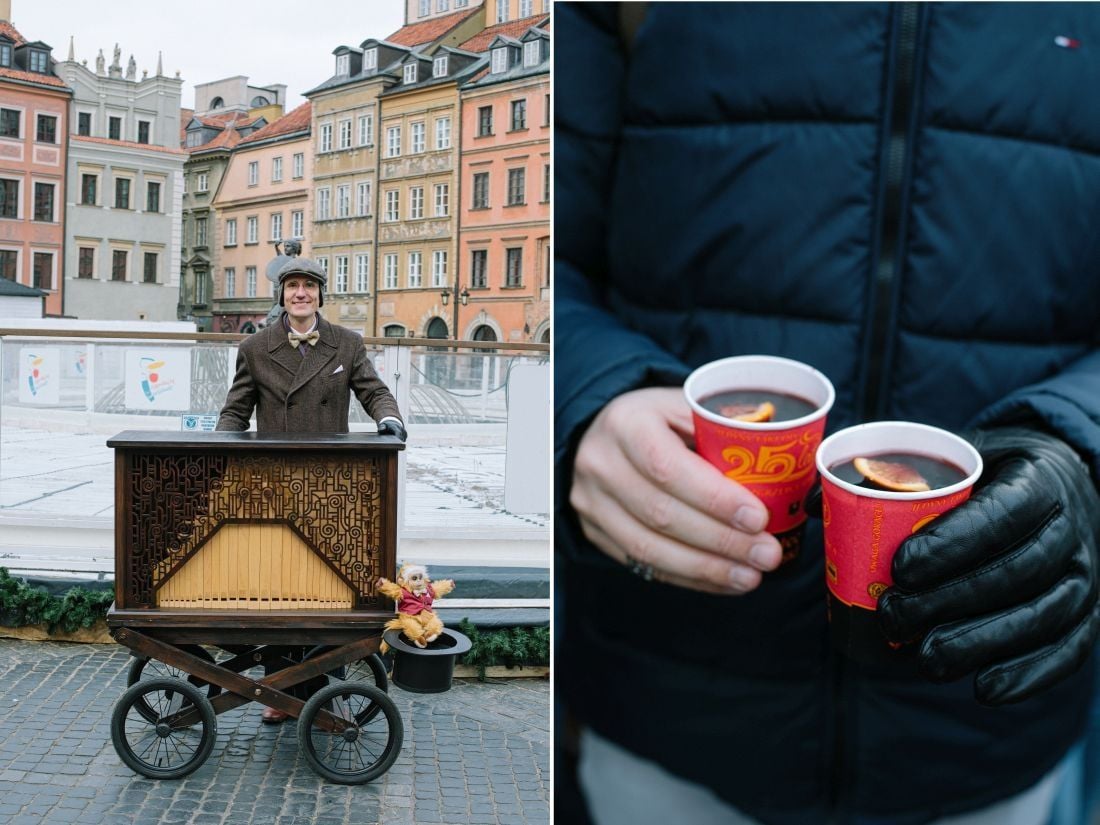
(247, 543)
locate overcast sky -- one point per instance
(273, 41)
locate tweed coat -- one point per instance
(295, 393)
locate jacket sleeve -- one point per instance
(371, 390)
(596, 356)
(1068, 404)
(240, 401)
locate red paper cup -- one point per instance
(864, 527)
(773, 459)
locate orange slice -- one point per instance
(749, 412)
(891, 475)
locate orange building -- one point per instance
(264, 197)
(34, 122)
(504, 225)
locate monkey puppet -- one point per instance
(414, 593)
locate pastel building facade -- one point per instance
(34, 120)
(264, 198)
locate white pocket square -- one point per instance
(338, 369)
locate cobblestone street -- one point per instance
(478, 754)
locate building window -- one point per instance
(532, 51)
(546, 183)
(250, 282)
(5, 55)
(484, 121)
(200, 231)
(416, 136)
(323, 263)
(39, 62)
(343, 201)
(502, 11)
(343, 64)
(517, 183)
(121, 193)
(519, 114)
(150, 267)
(43, 270)
(366, 130)
(9, 198)
(326, 137)
(393, 141)
(252, 229)
(461, 4)
(443, 133)
(370, 59)
(389, 273)
(9, 263)
(416, 202)
(425, 8)
(85, 262)
(479, 267)
(231, 232)
(194, 138)
(442, 5)
(47, 129)
(439, 66)
(297, 223)
(481, 190)
(513, 275)
(416, 270)
(442, 200)
(143, 131)
(9, 123)
(87, 189)
(500, 60)
(253, 172)
(362, 198)
(362, 273)
(43, 202)
(114, 128)
(409, 73)
(203, 182)
(118, 265)
(324, 198)
(200, 287)
(393, 331)
(230, 282)
(439, 267)
(277, 226)
(341, 283)
(546, 111)
(298, 164)
(276, 169)
(152, 197)
(345, 134)
(393, 200)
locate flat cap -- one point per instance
(303, 266)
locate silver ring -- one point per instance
(638, 569)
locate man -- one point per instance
(297, 372)
(905, 196)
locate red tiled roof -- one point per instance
(418, 33)
(132, 144)
(226, 139)
(12, 32)
(33, 77)
(185, 118)
(513, 28)
(294, 122)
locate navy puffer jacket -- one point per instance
(906, 197)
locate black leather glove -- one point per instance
(1006, 583)
(392, 427)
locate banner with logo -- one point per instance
(158, 379)
(39, 375)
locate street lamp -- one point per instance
(445, 296)
(463, 296)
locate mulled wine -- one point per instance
(898, 472)
(757, 405)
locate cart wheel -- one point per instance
(153, 747)
(370, 669)
(143, 668)
(366, 749)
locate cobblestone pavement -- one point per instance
(478, 754)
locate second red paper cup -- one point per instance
(774, 459)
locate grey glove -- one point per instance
(392, 427)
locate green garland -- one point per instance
(21, 604)
(511, 647)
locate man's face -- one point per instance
(301, 297)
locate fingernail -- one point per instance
(742, 578)
(750, 519)
(763, 556)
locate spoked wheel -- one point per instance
(162, 747)
(142, 668)
(370, 669)
(366, 748)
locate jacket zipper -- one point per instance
(880, 324)
(889, 232)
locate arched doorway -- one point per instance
(439, 366)
(545, 337)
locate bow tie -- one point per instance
(299, 338)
